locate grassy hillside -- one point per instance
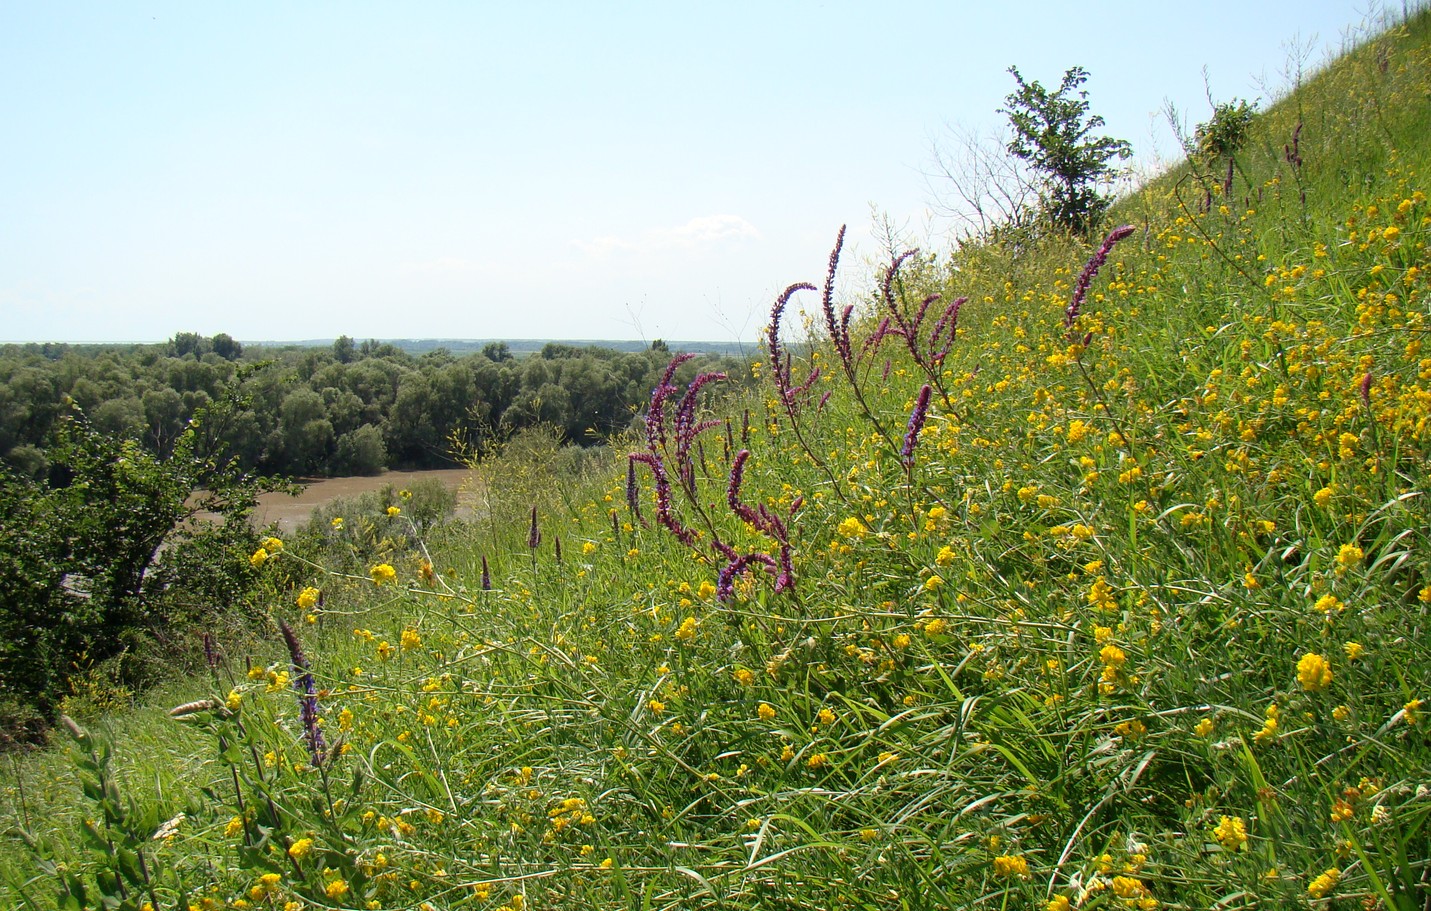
(1118, 600)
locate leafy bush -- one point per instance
(107, 561)
(1224, 134)
(1053, 132)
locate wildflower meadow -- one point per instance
(1049, 573)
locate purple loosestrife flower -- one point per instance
(796, 391)
(211, 654)
(656, 415)
(916, 424)
(948, 321)
(875, 339)
(534, 534)
(307, 695)
(633, 494)
(778, 365)
(486, 575)
(732, 490)
(887, 285)
(725, 582)
(1085, 279)
(1366, 389)
(663, 498)
(924, 306)
(687, 429)
(839, 329)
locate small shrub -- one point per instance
(1225, 133)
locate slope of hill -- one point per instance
(1106, 587)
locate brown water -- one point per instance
(291, 512)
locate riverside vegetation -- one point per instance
(1057, 574)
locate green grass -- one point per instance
(1141, 623)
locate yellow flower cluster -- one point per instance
(1010, 865)
(382, 573)
(1231, 833)
(1313, 672)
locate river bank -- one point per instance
(290, 512)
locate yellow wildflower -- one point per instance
(1319, 887)
(1348, 556)
(1341, 811)
(1328, 603)
(687, 630)
(1009, 865)
(1313, 672)
(383, 573)
(1231, 833)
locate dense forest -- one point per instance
(349, 408)
(111, 453)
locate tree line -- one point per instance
(348, 408)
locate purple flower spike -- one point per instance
(486, 575)
(779, 366)
(916, 424)
(534, 535)
(839, 329)
(307, 695)
(633, 495)
(732, 491)
(1085, 279)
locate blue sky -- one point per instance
(532, 169)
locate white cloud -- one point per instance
(705, 231)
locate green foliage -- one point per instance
(1224, 135)
(108, 563)
(347, 409)
(1054, 133)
